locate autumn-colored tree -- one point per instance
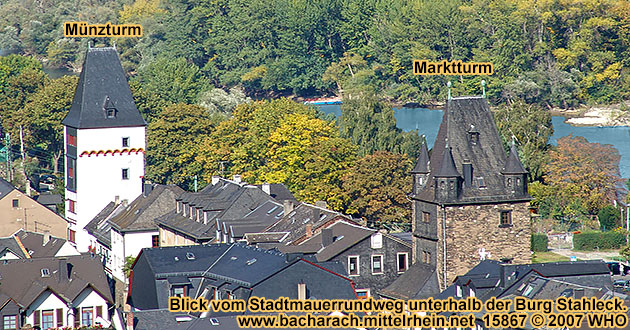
(173, 139)
(376, 188)
(583, 175)
(240, 145)
(307, 155)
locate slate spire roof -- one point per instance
(103, 86)
(447, 168)
(513, 165)
(468, 135)
(422, 165)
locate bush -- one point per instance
(598, 240)
(539, 242)
(608, 218)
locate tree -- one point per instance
(217, 100)
(531, 125)
(173, 139)
(45, 110)
(370, 124)
(307, 155)
(175, 80)
(583, 175)
(376, 188)
(609, 218)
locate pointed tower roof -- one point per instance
(422, 165)
(103, 85)
(513, 165)
(447, 167)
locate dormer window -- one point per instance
(473, 135)
(109, 108)
(481, 182)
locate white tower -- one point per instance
(104, 142)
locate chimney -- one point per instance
(316, 214)
(288, 206)
(215, 179)
(147, 187)
(309, 229)
(468, 173)
(327, 236)
(116, 199)
(129, 320)
(321, 204)
(236, 178)
(266, 188)
(46, 238)
(64, 274)
(301, 291)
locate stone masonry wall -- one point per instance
(470, 228)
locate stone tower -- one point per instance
(104, 142)
(470, 198)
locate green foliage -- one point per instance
(171, 153)
(129, 260)
(598, 241)
(217, 100)
(370, 124)
(539, 242)
(609, 218)
(376, 188)
(174, 81)
(531, 126)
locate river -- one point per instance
(427, 122)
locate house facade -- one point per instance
(19, 211)
(104, 138)
(55, 293)
(470, 199)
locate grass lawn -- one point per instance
(539, 257)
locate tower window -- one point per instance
(125, 142)
(426, 217)
(125, 174)
(506, 218)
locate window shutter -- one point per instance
(59, 317)
(36, 317)
(77, 317)
(99, 311)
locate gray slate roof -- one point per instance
(513, 165)
(5, 187)
(422, 164)
(34, 244)
(141, 213)
(49, 199)
(22, 279)
(11, 244)
(488, 157)
(102, 84)
(418, 282)
(99, 227)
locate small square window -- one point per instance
(402, 261)
(110, 113)
(125, 142)
(426, 217)
(155, 241)
(426, 257)
(481, 182)
(72, 206)
(125, 174)
(16, 203)
(179, 291)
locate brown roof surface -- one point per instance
(22, 279)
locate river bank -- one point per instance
(601, 116)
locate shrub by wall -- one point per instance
(598, 240)
(539, 242)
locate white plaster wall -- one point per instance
(45, 301)
(91, 298)
(117, 255)
(67, 250)
(136, 241)
(110, 138)
(99, 178)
